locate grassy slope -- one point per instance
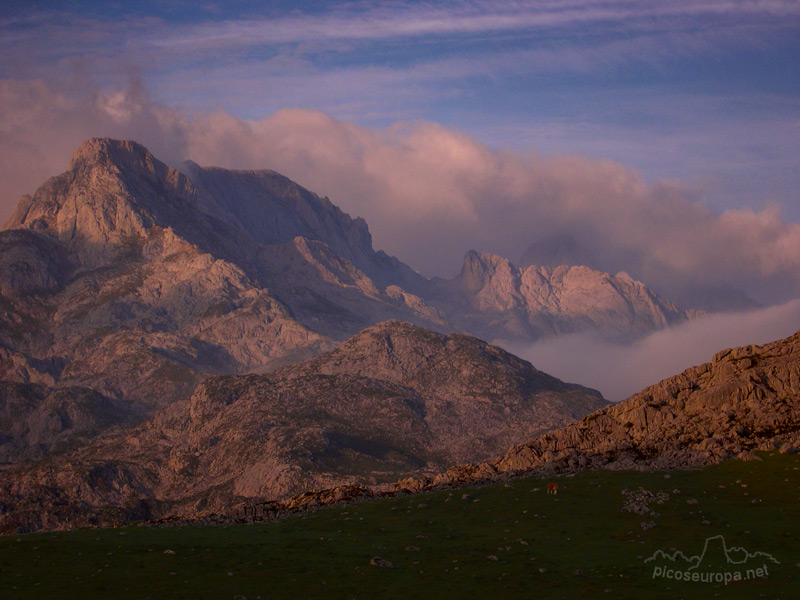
(326, 554)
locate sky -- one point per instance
(703, 91)
(663, 137)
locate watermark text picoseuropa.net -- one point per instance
(726, 577)
(716, 563)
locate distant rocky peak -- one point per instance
(480, 268)
(114, 193)
(103, 151)
(126, 158)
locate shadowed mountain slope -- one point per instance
(394, 400)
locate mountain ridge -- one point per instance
(536, 301)
(127, 277)
(394, 400)
(746, 399)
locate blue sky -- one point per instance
(706, 92)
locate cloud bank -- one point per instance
(620, 371)
(428, 193)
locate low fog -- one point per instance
(429, 193)
(618, 371)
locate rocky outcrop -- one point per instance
(746, 399)
(497, 300)
(393, 401)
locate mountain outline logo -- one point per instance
(697, 559)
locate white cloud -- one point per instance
(619, 371)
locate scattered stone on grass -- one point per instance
(377, 561)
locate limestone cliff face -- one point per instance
(495, 299)
(113, 193)
(746, 399)
(274, 210)
(392, 401)
(138, 282)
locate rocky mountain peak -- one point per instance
(480, 268)
(273, 209)
(114, 192)
(106, 151)
(499, 300)
(392, 350)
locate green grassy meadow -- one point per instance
(578, 544)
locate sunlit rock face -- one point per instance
(496, 299)
(124, 277)
(136, 280)
(126, 283)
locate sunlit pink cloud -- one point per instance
(429, 193)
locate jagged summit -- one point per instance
(479, 268)
(494, 298)
(113, 193)
(107, 151)
(272, 209)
